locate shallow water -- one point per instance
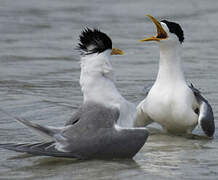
(39, 72)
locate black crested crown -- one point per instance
(176, 29)
(93, 41)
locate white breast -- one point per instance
(171, 107)
(170, 101)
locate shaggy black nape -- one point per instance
(175, 28)
(93, 41)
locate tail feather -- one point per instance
(41, 149)
(37, 128)
(47, 132)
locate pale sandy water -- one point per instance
(39, 72)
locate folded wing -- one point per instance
(205, 113)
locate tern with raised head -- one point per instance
(171, 102)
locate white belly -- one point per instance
(172, 108)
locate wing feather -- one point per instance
(206, 117)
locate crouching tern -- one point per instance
(103, 126)
(171, 102)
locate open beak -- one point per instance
(116, 51)
(161, 33)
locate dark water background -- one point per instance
(39, 73)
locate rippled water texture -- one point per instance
(39, 72)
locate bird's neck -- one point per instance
(97, 79)
(170, 69)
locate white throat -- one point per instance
(170, 69)
(97, 79)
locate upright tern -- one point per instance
(171, 102)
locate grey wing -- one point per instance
(94, 135)
(39, 149)
(98, 137)
(81, 139)
(51, 148)
(93, 117)
(205, 113)
(75, 118)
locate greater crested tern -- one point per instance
(99, 129)
(171, 102)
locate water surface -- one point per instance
(39, 73)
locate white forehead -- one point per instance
(165, 27)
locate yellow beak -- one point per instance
(116, 51)
(161, 33)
